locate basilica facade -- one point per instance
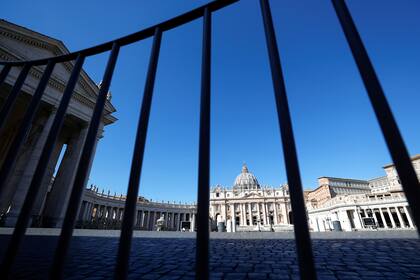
(248, 206)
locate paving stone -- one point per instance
(174, 258)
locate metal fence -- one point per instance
(377, 98)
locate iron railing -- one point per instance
(378, 100)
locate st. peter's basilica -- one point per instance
(248, 206)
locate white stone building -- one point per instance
(352, 212)
(248, 206)
(330, 187)
(384, 206)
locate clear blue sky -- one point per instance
(335, 129)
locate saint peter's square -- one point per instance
(207, 179)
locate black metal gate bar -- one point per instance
(383, 112)
(13, 95)
(25, 213)
(303, 241)
(124, 247)
(4, 72)
(82, 169)
(131, 38)
(26, 125)
(202, 240)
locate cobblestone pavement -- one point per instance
(173, 258)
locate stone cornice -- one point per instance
(28, 37)
(29, 40)
(58, 84)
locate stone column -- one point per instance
(276, 221)
(165, 218)
(140, 218)
(258, 213)
(21, 179)
(402, 223)
(152, 224)
(391, 217)
(143, 215)
(135, 218)
(87, 211)
(286, 211)
(115, 217)
(58, 198)
(243, 218)
(250, 213)
(245, 215)
(118, 214)
(359, 218)
(233, 217)
(264, 214)
(407, 214)
(239, 208)
(98, 136)
(383, 218)
(147, 218)
(178, 223)
(91, 211)
(173, 222)
(373, 216)
(48, 179)
(7, 136)
(82, 211)
(193, 222)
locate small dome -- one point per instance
(246, 180)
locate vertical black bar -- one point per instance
(13, 95)
(80, 179)
(202, 241)
(382, 110)
(123, 256)
(25, 213)
(303, 241)
(26, 125)
(4, 72)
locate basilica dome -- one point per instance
(246, 180)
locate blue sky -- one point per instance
(335, 129)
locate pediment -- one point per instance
(21, 43)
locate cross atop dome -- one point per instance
(244, 168)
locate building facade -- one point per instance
(382, 206)
(19, 43)
(362, 212)
(247, 206)
(330, 187)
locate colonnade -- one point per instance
(102, 211)
(51, 202)
(253, 213)
(389, 217)
(382, 216)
